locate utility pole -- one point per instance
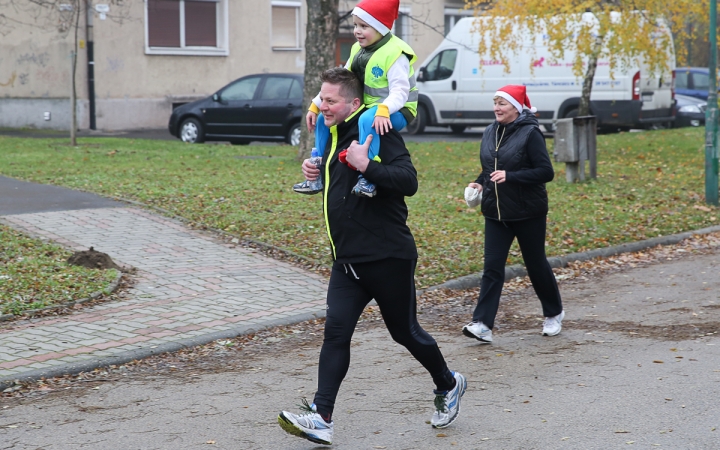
(90, 62)
(711, 116)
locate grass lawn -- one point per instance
(649, 184)
(34, 274)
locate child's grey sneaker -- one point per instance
(307, 187)
(309, 425)
(447, 405)
(478, 330)
(553, 325)
(364, 188)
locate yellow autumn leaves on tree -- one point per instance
(623, 33)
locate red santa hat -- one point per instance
(379, 14)
(517, 96)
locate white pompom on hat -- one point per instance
(517, 96)
(379, 14)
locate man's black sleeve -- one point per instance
(396, 173)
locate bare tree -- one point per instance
(321, 32)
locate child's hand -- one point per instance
(310, 120)
(382, 124)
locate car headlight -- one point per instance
(690, 109)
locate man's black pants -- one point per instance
(391, 282)
(499, 236)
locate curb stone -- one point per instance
(518, 270)
(31, 312)
(141, 353)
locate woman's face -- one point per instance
(505, 112)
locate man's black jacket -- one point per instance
(368, 229)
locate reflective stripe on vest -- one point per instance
(376, 83)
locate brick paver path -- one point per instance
(190, 285)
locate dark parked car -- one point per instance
(689, 111)
(262, 107)
(692, 81)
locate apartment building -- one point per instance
(149, 55)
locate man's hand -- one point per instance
(382, 124)
(357, 154)
(310, 120)
(310, 170)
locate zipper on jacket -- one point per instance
(333, 149)
(497, 147)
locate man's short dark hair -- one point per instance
(350, 87)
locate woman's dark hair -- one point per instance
(350, 87)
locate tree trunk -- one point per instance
(321, 32)
(584, 109)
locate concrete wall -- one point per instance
(30, 112)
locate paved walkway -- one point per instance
(191, 289)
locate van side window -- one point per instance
(681, 80)
(701, 81)
(441, 67)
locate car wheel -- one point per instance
(417, 126)
(293, 137)
(191, 131)
(571, 113)
(457, 128)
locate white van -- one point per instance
(455, 92)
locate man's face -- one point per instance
(333, 105)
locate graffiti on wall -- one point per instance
(33, 69)
(10, 82)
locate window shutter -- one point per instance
(200, 23)
(163, 23)
(284, 27)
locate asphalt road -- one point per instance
(22, 197)
(636, 366)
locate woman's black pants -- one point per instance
(391, 282)
(499, 236)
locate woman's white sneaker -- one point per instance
(479, 331)
(553, 325)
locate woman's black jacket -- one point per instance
(368, 229)
(523, 156)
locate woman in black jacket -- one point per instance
(515, 168)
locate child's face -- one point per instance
(364, 33)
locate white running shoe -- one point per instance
(447, 405)
(309, 425)
(479, 331)
(553, 325)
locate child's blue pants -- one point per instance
(322, 132)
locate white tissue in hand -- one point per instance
(472, 196)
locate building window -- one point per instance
(402, 28)
(285, 26)
(186, 27)
(452, 15)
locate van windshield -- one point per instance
(442, 66)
